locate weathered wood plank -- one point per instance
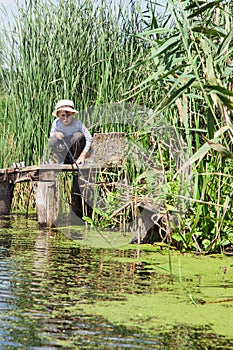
(32, 173)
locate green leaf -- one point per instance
(154, 31)
(155, 77)
(194, 5)
(210, 70)
(166, 46)
(209, 31)
(209, 5)
(178, 237)
(210, 123)
(226, 101)
(206, 244)
(88, 220)
(218, 90)
(170, 208)
(197, 156)
(177, 93)
(201, 152)
(225, 44)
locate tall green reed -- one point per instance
(177, 61)
(75, 50)
(193, 59)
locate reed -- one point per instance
(177, 61)
(193, 56)
(75, 50)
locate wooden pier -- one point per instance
(109, 154)
(47, 194)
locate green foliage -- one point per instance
(192, 56)
(75, 50)
(177, 62)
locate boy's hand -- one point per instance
(59, 135)
(81, 158)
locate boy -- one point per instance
(69, 139)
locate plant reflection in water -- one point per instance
(58, 293)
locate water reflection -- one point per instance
(45, 282)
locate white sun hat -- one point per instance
(64, 105)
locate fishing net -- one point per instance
(123, 189)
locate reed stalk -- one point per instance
(178, 62)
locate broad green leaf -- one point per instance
(201, 152)
(178, 237)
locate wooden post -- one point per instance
(6, 195)
(47, 199)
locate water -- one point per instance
(56, 293)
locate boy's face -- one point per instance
(65, 117)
